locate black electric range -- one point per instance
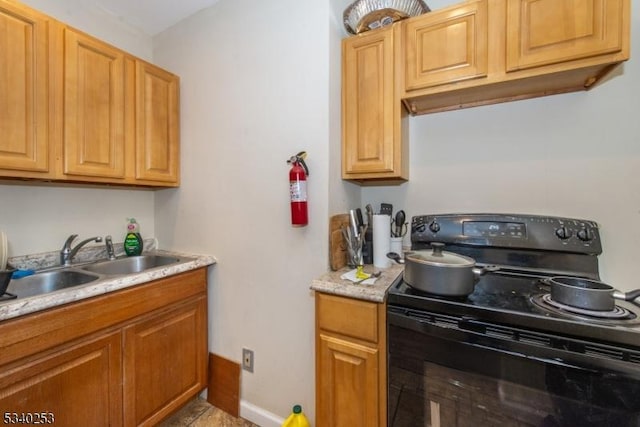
(507, 354)
(526, 248)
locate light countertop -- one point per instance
(331, 283)
(21, 306)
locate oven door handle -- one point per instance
(546, 348)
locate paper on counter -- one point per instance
(351, 275)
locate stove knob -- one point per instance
(434, 227)
(585, 234)
(563, 233)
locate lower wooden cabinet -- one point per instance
(127, 358)
(350, 362)
(164, 362)
(75, 385)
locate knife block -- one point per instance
(367, 247)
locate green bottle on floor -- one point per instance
(296, 419)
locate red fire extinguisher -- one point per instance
(298, 189)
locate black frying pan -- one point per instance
(586, 293)
(5, 278)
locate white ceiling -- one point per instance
(153, 16)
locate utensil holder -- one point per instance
(354, 253)
(395, 245)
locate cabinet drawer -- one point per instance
(346, 316)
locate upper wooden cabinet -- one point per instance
(157, 124)
(447, 46)
(24, 92)
(488, 51)
(544, 32)
(372, 115)
(94, 138)
(76, 109)
(474, 53)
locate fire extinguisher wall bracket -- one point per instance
(298, 189)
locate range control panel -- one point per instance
(507, 230)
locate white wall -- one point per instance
(89, 17)
(343, 195)
(575, 155)
(254, 91)
(38, 218)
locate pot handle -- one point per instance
(627, 296)
(547, 281)
(394, 256)
(486, 269)
(437, 248)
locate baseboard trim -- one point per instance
(259, 416)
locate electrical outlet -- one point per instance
(247, 359)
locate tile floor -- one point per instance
(199, 413)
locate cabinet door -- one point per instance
(542, 32)
(78, 385)
(93, 107)
(447, 46)
(157, 126)
(165, 362)
(24, 89)
(348, 383)
(368, 104)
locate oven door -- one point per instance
(447, 371)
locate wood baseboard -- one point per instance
(224, 384)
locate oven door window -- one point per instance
(442, 382)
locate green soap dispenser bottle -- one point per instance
(133, 239)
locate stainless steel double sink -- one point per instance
(67, 277)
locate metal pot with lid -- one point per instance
(439, 272)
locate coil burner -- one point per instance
(619, 315)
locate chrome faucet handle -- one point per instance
(110, 251)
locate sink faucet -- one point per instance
(110, 252)
(67, 253)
